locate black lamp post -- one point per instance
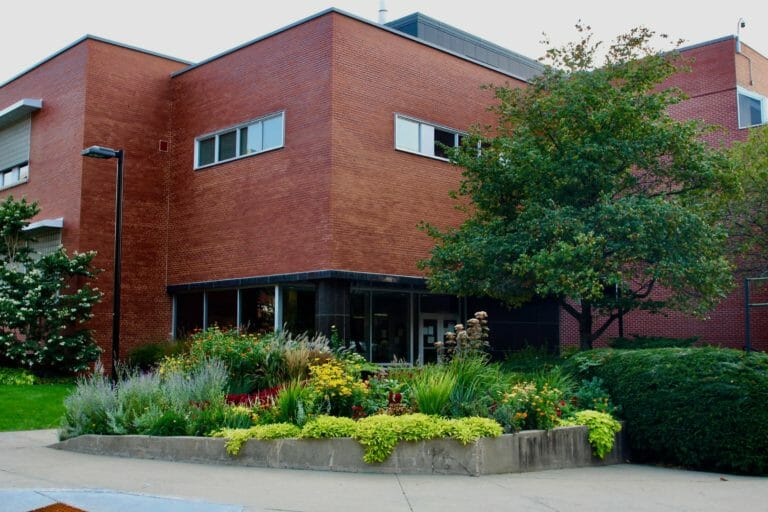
(106, 153)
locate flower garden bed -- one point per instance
(531, 450)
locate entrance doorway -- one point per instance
(432, 328)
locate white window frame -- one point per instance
(740, 91)
(236, 129)
(424, 139)
(22, 175)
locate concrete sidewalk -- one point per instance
(30, 471)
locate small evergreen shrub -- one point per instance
(703, 408)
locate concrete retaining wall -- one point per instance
(532, 450)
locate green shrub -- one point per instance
(475, 379)
(378, 434)
(431, 389)
(148, 356)
(703, 408)
(640, 342)
(170, 423)
(530, 359)
(87, 410)
(16, 377)
(602, 429)
(593, 395)
(335, 387)
(290, 404)
(236, 438)
(176, 403)
(325, 427)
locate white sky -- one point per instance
(195, 30)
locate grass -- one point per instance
(32, 407)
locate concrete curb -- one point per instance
(533, 450)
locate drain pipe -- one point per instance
(740, 25)
(383, 12)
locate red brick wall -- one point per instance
(267, 213)
(381, 194)
(128, 107)
(56, 139)
(98, 93)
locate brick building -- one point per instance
(282, 182)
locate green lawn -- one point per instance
(32, 407)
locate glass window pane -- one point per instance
(390, 327)
(250, 139)
(443, 137)
(750, 111)
(24, 173)
(206, 151)
(360, 323)
(299, 310)
(222, 309)
(227, 145)
(189, 314)
(407, 134)
(257, 310)
(11, 177)
(273, 132)
(427, 142)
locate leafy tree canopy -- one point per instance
(587, 192)
(41, 308)
(747, 211)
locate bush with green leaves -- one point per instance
(703, 408)
(431, 389)
(16, 377)
(602, 429)
(176, 403)
(254, 361)
(326, 427)
(378, 434)
(593, 395)
(42, 315)
(639, 342)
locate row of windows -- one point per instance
(14, 176)
(268, 133)
(251, 138)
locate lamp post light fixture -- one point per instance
(107, 153)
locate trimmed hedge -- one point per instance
(704, 408)
(640, 342)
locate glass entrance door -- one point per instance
(432, 328)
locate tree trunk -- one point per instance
(585, 326)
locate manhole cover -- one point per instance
(58, 507)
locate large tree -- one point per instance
(588, 192)
(747, 211)
(44, 301)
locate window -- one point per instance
(250, 138)
(424, 138)
(44, 242)
(752, 108)
(14, 153)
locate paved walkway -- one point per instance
(32, 475)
